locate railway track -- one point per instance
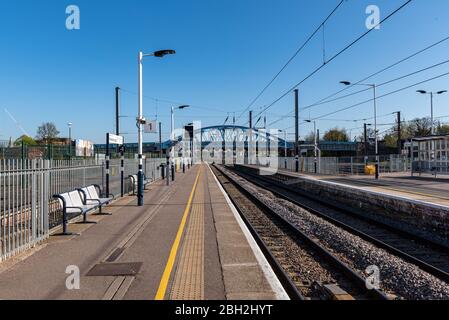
(429, 256)
(307, 270)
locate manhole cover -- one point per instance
(115, 269)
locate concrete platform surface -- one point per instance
(185, 243)
(425, 188)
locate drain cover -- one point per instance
(115, 269)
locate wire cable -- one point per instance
(291, 59)
(347, 47)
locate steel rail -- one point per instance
(435, 271)
(349, 272)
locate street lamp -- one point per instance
(315, 144)
(70, 139)
(431, 105)
(431, 115)
(141, 120)
(373, 86)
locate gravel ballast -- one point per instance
(397, 276)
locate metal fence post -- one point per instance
(33, 201)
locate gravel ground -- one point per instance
(405, 280)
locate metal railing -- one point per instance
(27, 209)
(347, 165)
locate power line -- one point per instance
(382, 96)
(379, 85)
(364, 90)
(381, 71)
(291, 59)
(174, 102)
(337, 55)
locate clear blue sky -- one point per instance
(227, 51)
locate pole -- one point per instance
(316, 134)
(117, 111)
(250, 137)
(285, 143)
(122, 171)
(70, 142)
(140, 147)
(399, 133)
(375, 133)
(297, 129)
(365, 137)
(234, 143)
(172, 149)
(431, 114)
(160, 140)
(107, 163)
(285, 149)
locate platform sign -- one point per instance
(114, 139)
(151, 126)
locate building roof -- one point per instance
(430, 138)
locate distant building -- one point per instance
(430, 154)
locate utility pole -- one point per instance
(365, 138)
(160, 140)
(297, 129)
(399, 133)
(117, 111)
(250, 146)
(140, 132)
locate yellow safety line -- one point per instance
(374, 185)
(174, 250)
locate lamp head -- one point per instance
(441, 92)
(162, 53)
(346, 83)
(183, 107)
(422, 91)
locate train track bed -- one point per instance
(311, 272)
(403, 279)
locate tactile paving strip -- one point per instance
(189, 278)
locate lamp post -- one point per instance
(374, 87)
(172, 136)
(431, 115)
(431, 105)
(70, 139)
(141, 120)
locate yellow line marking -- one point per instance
(400, 190)
(160, 295)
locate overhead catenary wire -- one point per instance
(364, 90)
(303, 45)
(381, 71)
(171, 102)
(380, 84)
(382, 96)
(339, 53)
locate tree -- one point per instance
(336, 134)
(442, 128)
(47, 132)
(26, 140)
(419, 127)
(310, 137)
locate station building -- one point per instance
(430, 154)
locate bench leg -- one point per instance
(100, 212)
(86, 221)
(64, 226)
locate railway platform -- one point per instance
(186, 243)
(424, 189)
